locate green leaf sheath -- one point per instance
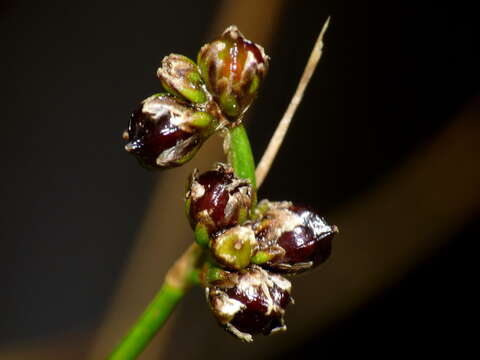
(240, 155)
(149, 323)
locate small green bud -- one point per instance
(201, 235)
(180, 76)
(261, 257)
(233, 68)
(212, 275)
(202, 119)
(229, 105)
(234, 247)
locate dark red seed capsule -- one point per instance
(291, 238)
(251, 302)
(233, 69)
(217, 199)
(166, 132)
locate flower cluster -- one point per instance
(167, 129)
(249, 248)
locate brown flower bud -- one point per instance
(165, 132)
(217, 199)
(233, 68)
(250, 302)
(290, 238)
(180, 76)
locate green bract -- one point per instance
(234, 247)
(180, 76)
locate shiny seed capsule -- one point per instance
(166, 132)
(217, 199)
(233, 69)
(290, 238)
(250, 302)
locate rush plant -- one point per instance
(243, 249)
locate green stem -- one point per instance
(184, 273)
(181, 276)
(149, 323)
(240, 154)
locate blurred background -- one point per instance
(392, 114)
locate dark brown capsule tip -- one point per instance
(218, 198)
(159, 133)
(233, 68)
(301, 245)
(256, 318)
(303, 235)
(233, 34)
(216, 194)
(254, 304)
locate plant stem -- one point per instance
(180, 277)
(240, 154)
(149, 323)
(282, 128)
(183, 274)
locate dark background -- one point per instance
(393, 76)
